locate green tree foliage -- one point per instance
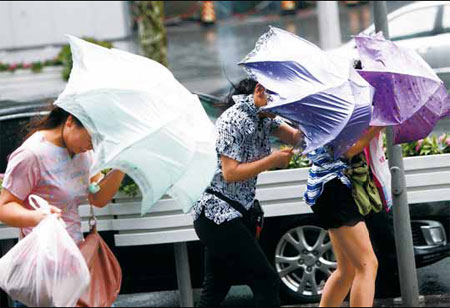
(149, 17)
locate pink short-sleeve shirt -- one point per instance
(44, 169)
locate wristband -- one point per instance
(94, 188)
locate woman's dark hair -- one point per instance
(55, 118)
(244, 87)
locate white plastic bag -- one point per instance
(380, 170)
(46, 268)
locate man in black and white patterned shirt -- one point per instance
(244, 137)
(244, 151)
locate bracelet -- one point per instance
(94, 188)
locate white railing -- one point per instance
(280, 193)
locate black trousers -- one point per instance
(233, 253)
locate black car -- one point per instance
(151, 268)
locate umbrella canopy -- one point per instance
(409, 95)
(446, 108)
(142, 121)
(322, 94)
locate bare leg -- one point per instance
(355, 242)
(339, 284)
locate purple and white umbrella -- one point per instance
(446, 108)
(325, 96)
(409, 96)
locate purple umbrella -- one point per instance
(446, 108)
(325, 96)
(409, 96)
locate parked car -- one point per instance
(422, 26)
(151, 268)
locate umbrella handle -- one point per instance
(301, 143)
(93, 189)
(92, 220)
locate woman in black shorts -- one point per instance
(329, 192)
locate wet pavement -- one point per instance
(434, 284)
(215, 51)
(435, 279)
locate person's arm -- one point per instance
(364, 141)
(288, 134)
(109, 186)
(233, 171)
(14, 214)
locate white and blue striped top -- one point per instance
(324, 169)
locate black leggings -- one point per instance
(233, 252)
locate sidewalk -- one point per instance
(242, 297)
(430, 301)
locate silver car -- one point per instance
(422, 26)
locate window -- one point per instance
(446, 18)
(417, 23)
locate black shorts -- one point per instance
(336, 207)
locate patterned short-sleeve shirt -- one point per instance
(244, 137)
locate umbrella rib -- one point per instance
(162, 126)
(401, 74)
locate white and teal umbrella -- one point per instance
(142, 121)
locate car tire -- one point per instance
(302, 255)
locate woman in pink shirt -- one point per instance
(54, 163)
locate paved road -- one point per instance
(215, 51)
(433, 280)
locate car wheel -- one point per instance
(304, 260)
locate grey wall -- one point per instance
(37, 23)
